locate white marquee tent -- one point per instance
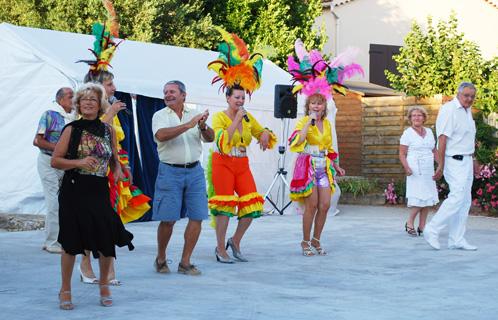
(35, 63)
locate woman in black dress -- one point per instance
(86, 150)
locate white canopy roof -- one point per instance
(35, 63)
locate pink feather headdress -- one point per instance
(315, 75)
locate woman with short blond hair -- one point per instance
(417, 152)
(88, 223)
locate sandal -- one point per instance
(105, 301)
(410, 230)
(65, 304)
(318, 248)
(114, 282)
(307, 250)
(420, 232)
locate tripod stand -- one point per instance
(281, 174)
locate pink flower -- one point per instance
(486, 207)
(475, 202)
(479, 192)
(494, 204)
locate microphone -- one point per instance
(113, 99)
(246, 118)
(313, 120)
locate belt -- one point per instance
(460, 156)
(238, 152)
(185, 165)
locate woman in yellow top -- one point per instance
(316, 165)
(233, 191)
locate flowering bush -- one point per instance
(485, 189)
(390, 193)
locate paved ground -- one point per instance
(374, 271)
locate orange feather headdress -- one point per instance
(235, 66)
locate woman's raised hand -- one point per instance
(240, 114)
(116, 107)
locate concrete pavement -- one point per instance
(373, 271)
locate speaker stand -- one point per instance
(280, 176)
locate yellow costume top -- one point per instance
(314, 137)
(250, 129)
(317, 144)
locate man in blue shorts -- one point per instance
(180, 185)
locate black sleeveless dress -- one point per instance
(87, 220)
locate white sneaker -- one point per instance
(431, 239)
(464, 246)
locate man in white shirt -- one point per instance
(180, 185)
(456, 133)
(49, 130)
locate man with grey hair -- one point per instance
(180, 185)
(49, 130)
(456, 132)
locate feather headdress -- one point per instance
(315, 75)
(235, 66)
(104, 45)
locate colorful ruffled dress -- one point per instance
(231, 187)
(315, 152)
(127, 200)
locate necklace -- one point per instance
(420, 132)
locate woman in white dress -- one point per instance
(417, 152)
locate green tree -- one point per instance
(173, 22)
(275, 23)
(435, 62)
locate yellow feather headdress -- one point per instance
(235, 66)
(104, 45)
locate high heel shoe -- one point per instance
(222, 259)
(105, 301)
(420, 232)
(410, 230)
(236, 253)
(65, 304)
(86, 279)
(319, 250)
(307, 250)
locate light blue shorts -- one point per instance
(180, 193)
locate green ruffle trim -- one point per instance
(215, 213)
(308, 187)
(254, 215)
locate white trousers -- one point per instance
(454, 211)
(50, 181)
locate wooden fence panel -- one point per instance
(383, 122)
(348, 126)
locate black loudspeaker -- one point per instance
(285, 102)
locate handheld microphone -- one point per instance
(313, 120)
(113, 99)
(246, 118)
